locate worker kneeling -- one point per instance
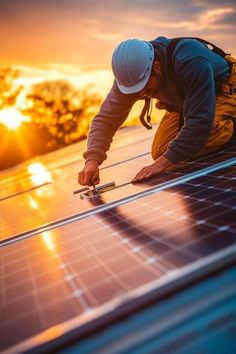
(194, 83)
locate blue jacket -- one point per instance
(191, 89)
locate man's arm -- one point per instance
(113, 113)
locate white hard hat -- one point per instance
(132, 64)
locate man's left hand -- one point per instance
(160, 165)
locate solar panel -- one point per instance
(12, 184)
(76, 272)
(46, 205)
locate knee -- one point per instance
(156, 151)
(166, 132)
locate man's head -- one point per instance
(135, 68)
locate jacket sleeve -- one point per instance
(196, 79)
(112, 114)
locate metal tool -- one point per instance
(97, 190)
(81, 190)
(87, 192)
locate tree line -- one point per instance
(60, 115)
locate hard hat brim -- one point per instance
(133, 89)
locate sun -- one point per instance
(12, 118)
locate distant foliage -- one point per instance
(62, 110)
(8, 92)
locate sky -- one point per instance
(65, 34)
(74, 39)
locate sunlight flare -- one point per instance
(12, 118)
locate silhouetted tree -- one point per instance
(61, 108)
(8, 92)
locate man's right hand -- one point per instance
(89, 175)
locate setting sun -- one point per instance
(12, 118)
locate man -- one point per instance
(195, 84)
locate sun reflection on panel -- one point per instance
(48, 239)
(39, 174)
(33, 203)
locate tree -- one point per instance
(62, 109)
(8, 92)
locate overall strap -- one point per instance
(221, 88)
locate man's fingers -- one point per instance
(88, 180)
(81, 178)
(91, 178)
(96, 180)
(140, 173)
(147, 172)
(140, 176)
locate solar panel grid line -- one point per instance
(170, 213)
(215, 197)
(162, 186)
(117, 221)
(122, 241)
(125, 160)
(25, 191)
(37, 295)
(76, 291)
(54, 300)
(112, 270)
(162, 243)
(139, 251)
(65, 264)
(188, 274)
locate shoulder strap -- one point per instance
(172, 45)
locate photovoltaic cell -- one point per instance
(70, 272)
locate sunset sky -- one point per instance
(69, 38)
(84, 33)
(73, 40)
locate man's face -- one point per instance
(154, 83)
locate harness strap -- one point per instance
(171, 47)
(221, 88)
(145, 111)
